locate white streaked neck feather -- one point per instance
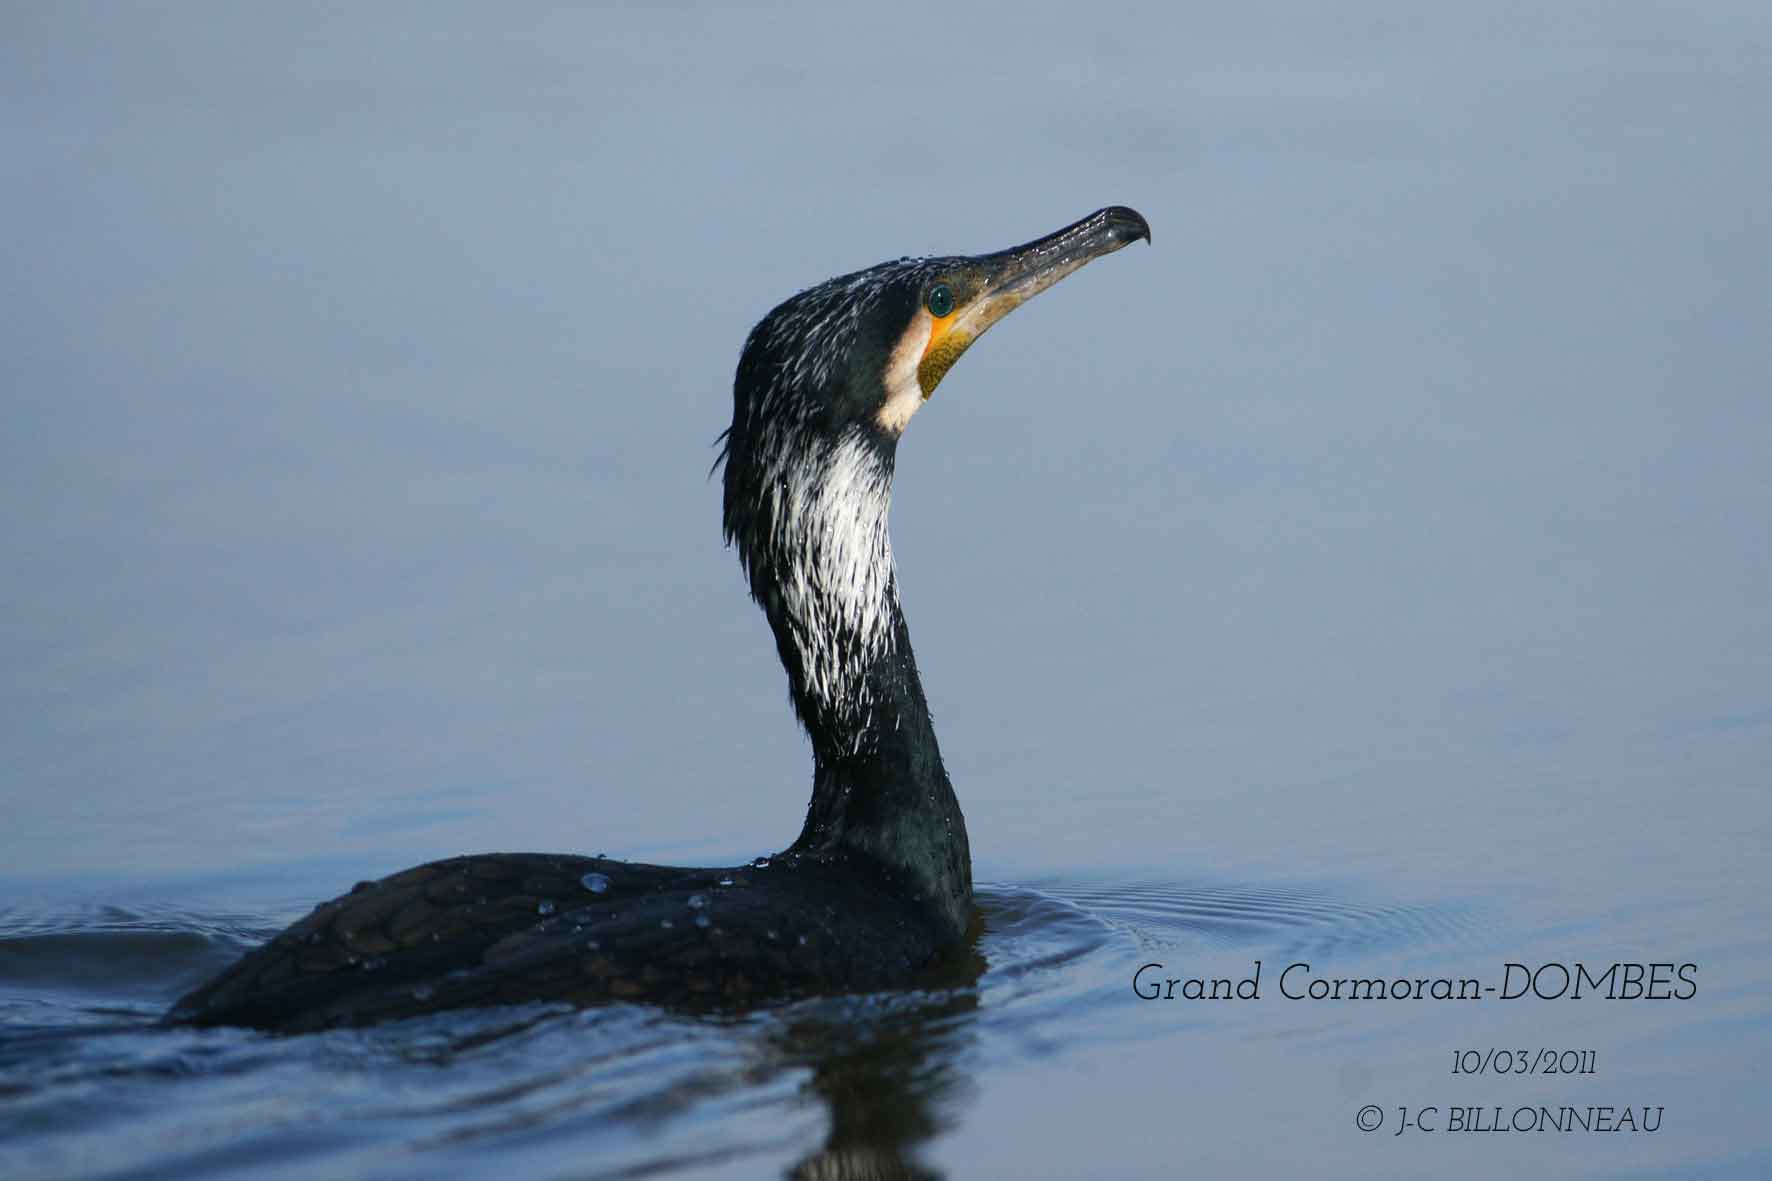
(827, 520)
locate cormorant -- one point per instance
(878, 887)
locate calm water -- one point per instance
(1373, 573)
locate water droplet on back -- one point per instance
(596, 883)
(544, 908)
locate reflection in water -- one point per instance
(890, 1082)
(91, 1085)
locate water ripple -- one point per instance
(1288, 919)
(88, 1078)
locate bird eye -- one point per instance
(940, 301)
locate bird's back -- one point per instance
(506, 928)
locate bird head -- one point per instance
(844, 365)
(864, 351)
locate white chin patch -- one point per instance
(904, 396)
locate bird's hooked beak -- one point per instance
(990, 286)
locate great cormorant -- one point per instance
(879, 884)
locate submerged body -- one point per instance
(877, 890)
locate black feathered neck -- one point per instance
(808, 492)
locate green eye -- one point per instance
(941, 301)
